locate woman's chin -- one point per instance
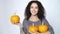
(34, 15)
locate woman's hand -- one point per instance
(46, 32)
(35, 33)
(20, 25)
(41, 33)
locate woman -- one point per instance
(34, 13)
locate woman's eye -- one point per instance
(36, 7)
(31, 7)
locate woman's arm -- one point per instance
(46, 32)
(21, 30)
(49, 26)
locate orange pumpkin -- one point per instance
(43, 28)
(33, 28)
(15, 19)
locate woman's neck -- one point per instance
(34, 18)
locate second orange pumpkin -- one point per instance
(43, 28)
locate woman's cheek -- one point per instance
(36, 11)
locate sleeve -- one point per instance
(24, 27)
(49, 26)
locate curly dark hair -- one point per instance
(41, 10)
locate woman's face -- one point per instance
(34, 9)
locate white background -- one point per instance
(8, 7)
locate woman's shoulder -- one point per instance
(24, 20)
(45, 20)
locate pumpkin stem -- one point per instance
(14, 13)
(42, 23)
(33, 24)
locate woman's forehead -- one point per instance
(34, 4)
